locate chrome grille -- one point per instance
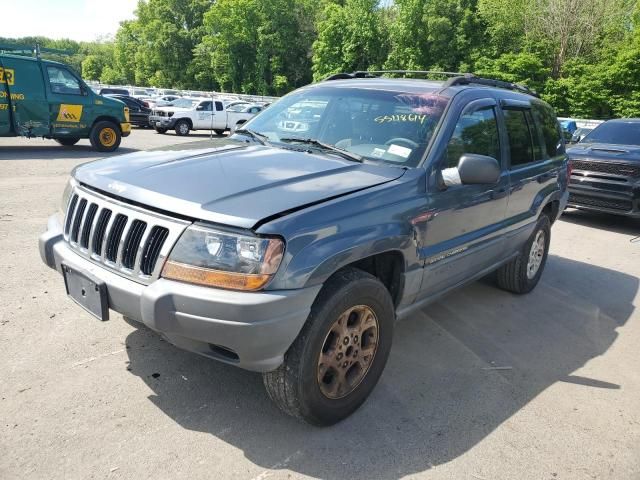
(123, 238)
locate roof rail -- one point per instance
(456, 78)
(376, 73)
(468, 79)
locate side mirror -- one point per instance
(478, 169)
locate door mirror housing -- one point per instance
(478, 169)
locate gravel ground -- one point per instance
(83, 399)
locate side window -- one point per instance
(62, 81)
(539, 150)
(546, 118)
(219, 107)
(519, 137)
(206, 106)
(476, 132)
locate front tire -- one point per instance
(338, 357)
(182, 128)
(67, 142)
(522, 274)
(105, 136)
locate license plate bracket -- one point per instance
(87, 291)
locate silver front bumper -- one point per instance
(252, 330)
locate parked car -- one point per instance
(41, 98)
(579, 134)
(237, 115)
(165, 100)
(606, 169)
(138, 111)
(185, 115)
(111, 91)
(294, 255)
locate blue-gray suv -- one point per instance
(292, 247)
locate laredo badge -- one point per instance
(69, 113)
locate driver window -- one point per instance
(476, 132)
(206, 106)
(61, 81)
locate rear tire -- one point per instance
(67, 142)
(105, 136)
(219, 131)
(182, 128)
(522, 274)
(338, 357)
(161, 130)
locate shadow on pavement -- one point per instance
(438, 396)
(54, 152)
(613, 223)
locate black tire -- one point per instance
(105, 136)
(219, 131)
(67, 142)
(295, 385)
(182, 128)
(161, 130)
(514, 276)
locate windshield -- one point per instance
(393, 127)
(182, 103)
(617, 133)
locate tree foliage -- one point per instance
(583, 56)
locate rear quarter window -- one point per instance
(546, 119)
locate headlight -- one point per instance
(215, 258)
(66, 195)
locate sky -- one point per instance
(74, 19)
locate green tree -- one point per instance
(350, 37)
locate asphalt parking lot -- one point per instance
(84, 399)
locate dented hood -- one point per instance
(234, 184)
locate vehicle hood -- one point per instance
(605, 151)
(232, 184)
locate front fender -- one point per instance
(319, 259)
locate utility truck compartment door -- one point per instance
(23, 88)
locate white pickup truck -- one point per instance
(186, 114)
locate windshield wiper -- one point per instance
(259, 137)
(325, 146)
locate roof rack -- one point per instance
(34, 50)
(377, 73)
(470, 78)
(456, 78)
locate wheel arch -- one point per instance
(107, 118)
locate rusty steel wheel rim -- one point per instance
(348, 351)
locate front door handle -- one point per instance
(499, 193)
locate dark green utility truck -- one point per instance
(42, 98)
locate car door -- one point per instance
(204, 115)
(25, 97)
(219, 116)
(70, 107)
(462, 231)
(532, 172)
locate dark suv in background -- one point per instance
(606, 169)
(293, 247)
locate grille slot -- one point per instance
(86, 227)
(78, 220)
(101, 229)
(612, 204)
(123, 238)
(621, 169)
(151, 251)
(115, 235)
(72, 208)
(132, 242)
